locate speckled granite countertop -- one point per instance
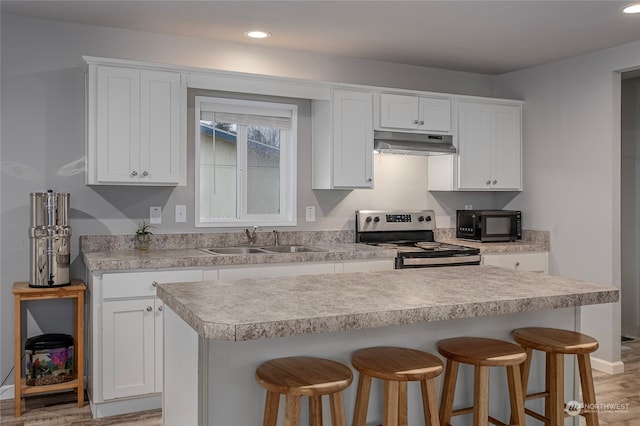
(192, 257)
(277, 307)
(532, 241)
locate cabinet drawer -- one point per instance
(535, 262)
(140, 284)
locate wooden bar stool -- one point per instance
(295, 377)
(482, 353)
(556, 343)
(396, 366)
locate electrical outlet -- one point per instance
(181, 213)
(310, 213)
(155, 215)
(468, 207)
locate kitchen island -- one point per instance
(217, 333)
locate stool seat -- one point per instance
(482, 353)
(303, 376)
(555, 340)
(557, 343)
(396, 366)
(392, 363)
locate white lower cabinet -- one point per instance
(126, 339)
(534, 262)
(129, 347)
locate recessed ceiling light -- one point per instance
(632, 9)
(257, 34)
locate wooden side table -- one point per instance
(22, 292)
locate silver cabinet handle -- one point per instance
(149, 309)
(421, 122)
(160, 308)
(415, 121)
(369, 179)
(517, 264)
(488, 182)
(155, 283)
(145, 173)
(495, 181)
(134, 173)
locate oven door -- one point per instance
(405, 262)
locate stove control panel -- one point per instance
(381, 220)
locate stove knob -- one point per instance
(428, 218)
(376, 219)
(368, 219)
(421, 219)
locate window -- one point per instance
(246, 162)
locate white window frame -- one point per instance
(288, 167)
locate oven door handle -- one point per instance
(429, 261)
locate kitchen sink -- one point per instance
(292, 249)
(233, 250)
(262, 250)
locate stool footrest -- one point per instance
(535, 415)
(536, 395)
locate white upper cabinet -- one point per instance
(135, 127)
(414, 113)
(489, 143)
(343, 141)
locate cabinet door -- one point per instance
(128, 344)
(474, 146)
(160, 127)
(118, 124)
(399, 111)
(506, 160)
(435, 115)
(352, 139)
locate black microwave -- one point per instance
(489, 225)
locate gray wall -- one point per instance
(43, 142)
(571, 152)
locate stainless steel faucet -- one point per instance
(251, 235)
(275, 238)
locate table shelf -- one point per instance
(22, 293)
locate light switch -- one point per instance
(310, 213)
(155, 215)
(181, 213)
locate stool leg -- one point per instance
(271, 409)
(555, 368)
(516, 395)
(402, 404)
(525, 369)
(429, 403)
(588, 391)
(481, 396)
(390, 403)
(337, 409)
(315, 410)
(292, 412)
(362, 400)
(448, 392)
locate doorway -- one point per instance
(630, 204)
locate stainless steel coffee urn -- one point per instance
(49, 237)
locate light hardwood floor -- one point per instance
(62, 410)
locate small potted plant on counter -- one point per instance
(143, 236)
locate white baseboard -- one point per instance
(607, 366)
(7, 392)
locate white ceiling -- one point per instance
(490, 37)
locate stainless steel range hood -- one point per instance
(413, 143)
